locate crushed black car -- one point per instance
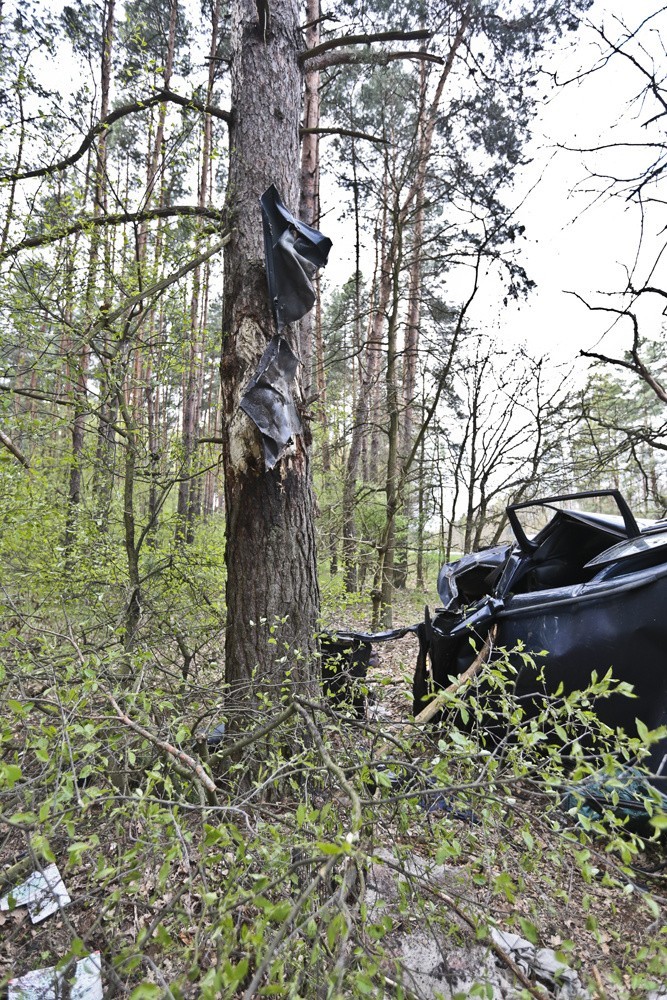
(588, 588)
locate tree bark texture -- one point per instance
(270, 553)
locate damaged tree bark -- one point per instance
(272, 590)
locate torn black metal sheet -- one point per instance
(269, 402)
(293, 252)
(345, 659)
(586, 589)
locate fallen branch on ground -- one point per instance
(184, 763)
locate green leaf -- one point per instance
(529, 930)
(528, 839)
(9, 775)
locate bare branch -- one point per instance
(184, 763)
(366, 39)
(15, 451)
(636, 365)
(342, 131)
(161, 97)
(45, 239)
(159, 286)
(349, 57)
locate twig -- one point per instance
(14, 450)
(500, 952)
(257, 734)
(333, 767)
(321, 876)
(187, 763)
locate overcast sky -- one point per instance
(575, 240)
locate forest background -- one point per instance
(429, 403)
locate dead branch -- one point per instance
(257, 733)
(636, 365)
(480, 660)
(14, 450)
(161, 97)
(341, 131)
(350, 57)
(159, 286)
(119, 218)
(366, 39)
(184, 763)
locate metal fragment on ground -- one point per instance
(49, 984)
(541, 964)
(43, 893)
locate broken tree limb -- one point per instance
(349, 132)
(14, 450)
(161, 97)
(256, 734)
(184, 763)
(480, 660)
(359, 57)
(366, 39)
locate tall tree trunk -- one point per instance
(360, 419)
(309, 203)
(272, 590)
(192, 388)
(387, 552)
(99, 208)
(421, 515)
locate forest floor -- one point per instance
(156, 878)
(604, 916)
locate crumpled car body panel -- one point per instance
(269, 402)
(293, 251)
(559, 592)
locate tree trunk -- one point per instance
(99, 208)
(188, 489)
(272, 590)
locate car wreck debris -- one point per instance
(293, 252)
(49, 984)
(541, 964)
(269, 402)
(43, 893)
(588, 588)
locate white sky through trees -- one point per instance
(577, 239)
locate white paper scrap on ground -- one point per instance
(541, 963)
(43, 893)
(47, 984)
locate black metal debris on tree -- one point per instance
(293, 252)
(269, 402)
